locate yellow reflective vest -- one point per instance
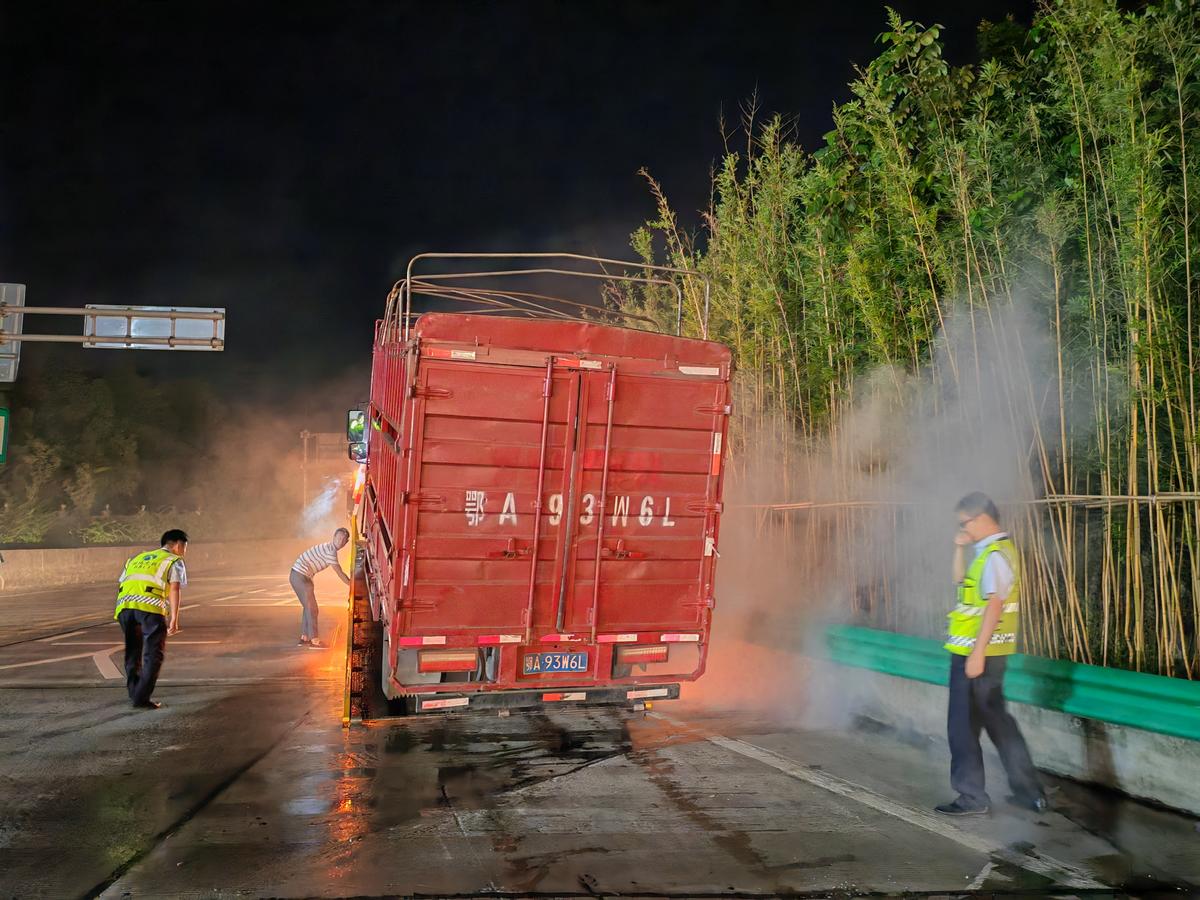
(145, 582)
(967, 617)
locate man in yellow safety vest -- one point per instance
(148, 610)
(982, 634)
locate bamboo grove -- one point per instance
(1056, 173)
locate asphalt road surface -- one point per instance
(245, 784)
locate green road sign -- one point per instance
(3, 435)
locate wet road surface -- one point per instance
(245, 784)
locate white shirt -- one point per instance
(997, 579)
(316, 559)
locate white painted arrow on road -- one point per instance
(104, 663)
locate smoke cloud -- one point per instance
(869, 537)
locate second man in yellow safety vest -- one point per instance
(148, 610)
(981, 636)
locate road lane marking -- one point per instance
(1059, 872)
(46, 662)
(213, 578)
(256, 591)
(11, 685)
(109, 643)
(275, 604)
(259, 605)
(87, 615)
(230, 597)
(58, 637)
(103, 660)
(977, 883)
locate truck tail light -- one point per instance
(640, 654)
(447, 660)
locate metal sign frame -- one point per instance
(154, 327)
(126, 327)
(12, 298)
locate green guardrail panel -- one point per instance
(1149, 702)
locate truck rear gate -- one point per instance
(541, 510)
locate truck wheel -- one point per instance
(367, 700)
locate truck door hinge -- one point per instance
(430, 501)
(431, 393)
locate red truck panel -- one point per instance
(623, 432)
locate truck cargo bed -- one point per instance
(542, 504)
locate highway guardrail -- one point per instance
(1135, 699)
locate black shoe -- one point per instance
(149, 704)
(962, 807)
(1037, 804)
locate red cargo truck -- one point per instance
(538, 523)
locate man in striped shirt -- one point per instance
(307, 565)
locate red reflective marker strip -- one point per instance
(617, 638)
(446, 353)
(646, 653)
(445, 704)
(448, 660)
(679, 638)
(499, 639)
(716, 454)
(552, 697)
(653, 692)
(421, 641)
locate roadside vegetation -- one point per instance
(1056, 175)
(120, 458)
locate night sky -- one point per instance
(284, 160)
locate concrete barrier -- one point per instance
(1161, 767)
(25, 570)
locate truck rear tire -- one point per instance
(367, 700)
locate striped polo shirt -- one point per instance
(316, 559)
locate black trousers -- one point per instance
(977, 704)
(145, 647)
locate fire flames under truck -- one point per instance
(538, 521)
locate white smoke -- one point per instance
(322, 514)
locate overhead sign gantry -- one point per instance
(105, 327)
(109, 327)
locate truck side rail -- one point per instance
(398, 317)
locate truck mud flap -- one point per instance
(633, 696)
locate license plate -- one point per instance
(543, 663)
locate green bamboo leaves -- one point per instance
(1063, 161)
